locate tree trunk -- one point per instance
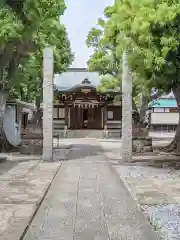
(3, 140)
(36, 118)
(144, 107)
(174, 146)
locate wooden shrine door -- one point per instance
(85, 118)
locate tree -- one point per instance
(105, 60)
(152, 31)
(28, 84)
(26, 28)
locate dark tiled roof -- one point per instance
(77, 70)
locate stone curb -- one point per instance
(38, 205)
(162, 139)
(133, 195)
(155, 158)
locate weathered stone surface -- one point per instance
(32, 140)
(31, 146)
(48, 95)
(88, 201)
(126, 111)
(14, 218)
(139, 131)
(142, 144)
(149, 185)
(22, 189)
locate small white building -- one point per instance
(15, 120)
(164, 115)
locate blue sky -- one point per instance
(79, 18)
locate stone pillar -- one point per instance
(126, 148)
(48, 104)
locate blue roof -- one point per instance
(163, 103)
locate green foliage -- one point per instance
(106, 59)
(150, 31)
(26, 28)
(108, 82)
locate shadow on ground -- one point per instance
(79, 151)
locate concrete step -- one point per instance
(87, 133)
(84, 134)
(114, 133)
(78, 133)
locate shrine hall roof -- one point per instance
(73, 78)
(70, 89)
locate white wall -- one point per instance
(11, 128)
(164, 118)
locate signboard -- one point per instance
(85, 90)
(173, 110)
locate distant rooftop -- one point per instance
(170, 95)
(77, 70)
(163, 103)
(75, 76)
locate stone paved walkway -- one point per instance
(155, 189)
(21, 191)
(88, 201)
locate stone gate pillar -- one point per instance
(48, 104)
(126, 148)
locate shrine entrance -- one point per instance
(86, 117)
(83, 107)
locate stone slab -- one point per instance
(22, 189)
(151, 185)
(56, 216)
(14, 218)
(156, 191)
(21, 157)
(20, 169)
(88, 201)
(155, 158)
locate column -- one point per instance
(47, 104)
(126, 148)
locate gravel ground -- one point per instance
(165, 219)
(138, 172)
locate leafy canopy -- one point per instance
(149, 30)
(26, 28)
(152, 38)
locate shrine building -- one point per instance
(79, 105)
